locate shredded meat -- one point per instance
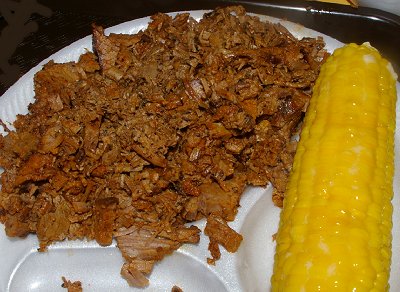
(157, 129)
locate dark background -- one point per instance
(70, 20)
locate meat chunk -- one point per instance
(91, 136)
(104, 217)
(142, 246)
(15, 227)
(151, 137)
(106, 50)
(133, 276)
(38, 167)
(220, 233)
(213, 200)
(53, 225)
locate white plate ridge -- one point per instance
(24, 269)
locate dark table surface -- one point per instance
(32, 30)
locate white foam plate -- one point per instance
(23, 269)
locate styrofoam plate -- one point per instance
(24, 269)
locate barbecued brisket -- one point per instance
(155, 130)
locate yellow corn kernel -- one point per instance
(335, 226)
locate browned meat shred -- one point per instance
(71, 286)
(220, 233)
(157, 129)
(142, 246)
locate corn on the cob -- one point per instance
(335, 226)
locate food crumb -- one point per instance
(71, 286)
(176, 289)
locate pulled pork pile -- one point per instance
(157, 129)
